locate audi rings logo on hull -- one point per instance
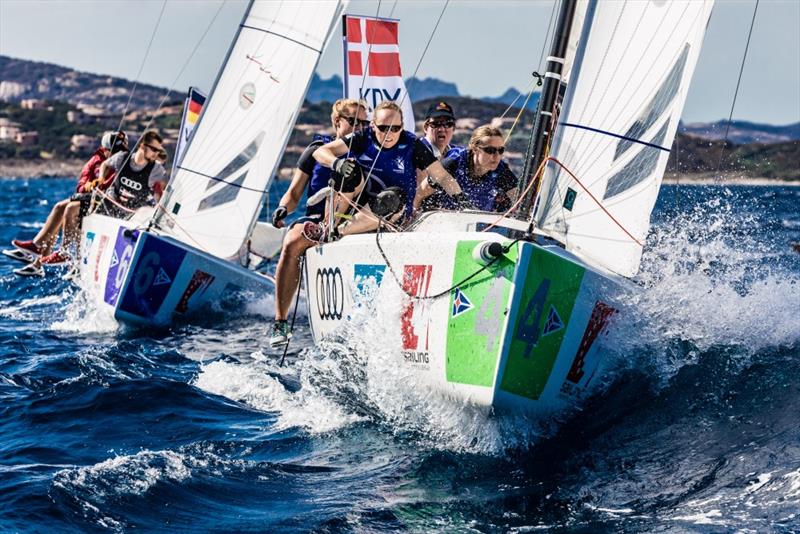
(127, 182)
(330, 293)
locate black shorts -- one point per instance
(86, 201)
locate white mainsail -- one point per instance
(626, 93)
(214, 198)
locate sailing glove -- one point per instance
(278, 216)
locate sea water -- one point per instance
(696, 427)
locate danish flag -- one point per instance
(372, 64)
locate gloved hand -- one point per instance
(463, 201)
(278, 216)
(89, 186)
(345, 167)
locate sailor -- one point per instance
(439, 126)
(347, 115)
(138, 176)
(66, 214)
(487, 181)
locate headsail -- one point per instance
(626, 93)
(217, 192)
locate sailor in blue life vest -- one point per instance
(439, 126)
(390, 159)
(347, 115)
(487, 181)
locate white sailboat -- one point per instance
(511, 312)
(197, 246)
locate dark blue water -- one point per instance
(696, 430)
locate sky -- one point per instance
(484, 47)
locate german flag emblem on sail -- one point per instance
(196, 101)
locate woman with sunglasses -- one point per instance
(347, 115)
(487, 181)
(389, 157)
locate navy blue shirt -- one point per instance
(486, 193)
(318, 174)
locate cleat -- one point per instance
(56, 258)
(279, 334)
(30, 270)
(20, 255)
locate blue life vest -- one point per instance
(391, 167)
(429, 146)
(318, 179)
(482, 192)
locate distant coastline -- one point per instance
(18, 168)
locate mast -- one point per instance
(540, 136)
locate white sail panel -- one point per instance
(214, 198)
(620, 114)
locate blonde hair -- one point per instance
(344, 103)
(391, 105)
(481, 133)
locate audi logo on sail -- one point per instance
(330, 293)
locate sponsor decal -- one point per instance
(200, 281)
(330, 293)
(367, 278)
(569, 199)
(461, 303)
(87, 247)
(153, 272)
(601, 314)
(133, 184)
(120, 258)
(553, 323)
(101, 247)
(415, 317)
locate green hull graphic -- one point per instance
(540, 318)
(475, 327)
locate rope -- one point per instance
(554, 160)
(736, 93)
(294, 314)
(520, 198)
(446, 291)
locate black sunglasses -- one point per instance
(386, 127)
(442, 124)
(352, 121)
(492, 150)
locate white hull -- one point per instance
(149, 280)
(524, 334)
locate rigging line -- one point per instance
(612, 134)
(427, 45)
(735, 94)
(222, 180)
(141, 65)
(282, 37)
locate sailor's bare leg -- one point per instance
(47, 236)
(287, 275)
(71, 227)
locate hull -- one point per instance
(149, 280)
(523, 333)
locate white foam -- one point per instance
(83, 315)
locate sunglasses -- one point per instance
(492, 150)
(352, 121)
(443, 124)
(383, 128)
(154, 148)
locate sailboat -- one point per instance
(200, 244)
(510, 311)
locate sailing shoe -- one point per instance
(279, 334)
(30, 270)
(28, 246)
(313, 231)
(56, 258)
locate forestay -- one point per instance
(213, 200)
(625, 97)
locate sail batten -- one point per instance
(626, 90)
(218, 189)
